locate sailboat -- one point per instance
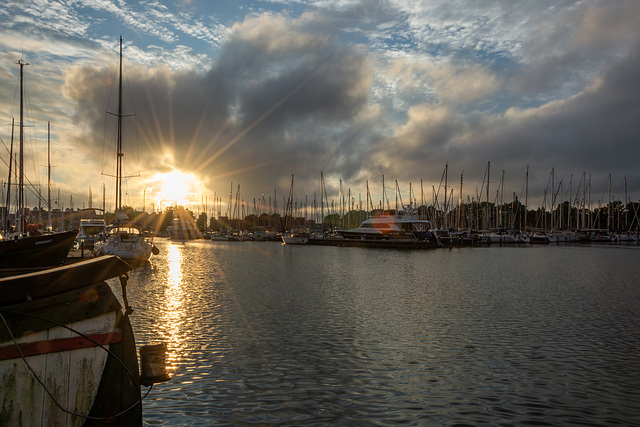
(125, 237)
(25, 246)
(293, 236)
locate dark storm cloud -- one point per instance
(595, 131)
(280, 95)
(288, 96)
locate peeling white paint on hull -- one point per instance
(72, 377)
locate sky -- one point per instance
(220, 95)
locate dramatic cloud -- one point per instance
(274, 102)
(355, 89)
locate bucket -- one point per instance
(152, 364)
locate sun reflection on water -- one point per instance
(174, 310)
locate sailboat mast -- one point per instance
(384, 195)
(49, 172)
(460, 201)
(446, 173)
(487, 207)
(5, 225)
(322, 191)
(21, 168)
(526, 199)
(119, 139)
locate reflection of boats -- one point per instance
(67, 350)
(26, 246)
(125, 238)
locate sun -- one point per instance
(175, 187)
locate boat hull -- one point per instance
(79, 343)
(295, 240)
(47, 250)
(377, 243)
(128, 251)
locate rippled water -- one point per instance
(265, 334)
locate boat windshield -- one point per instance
(124, 230)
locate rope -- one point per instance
(128, 310)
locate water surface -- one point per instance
(265, 334)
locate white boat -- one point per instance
(504, 237)
(566, 236)
(500, 238)
(92, 231)
(218, 237)
(125, 238)
(521, 237)
(128, 241)
(595, 235)
(625, 237)
(385, 226)
(67, 350)
(295, 239)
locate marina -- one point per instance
(480, 284)
(271, 334)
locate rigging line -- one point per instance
(24, 359)
(133, 106)
(104, 145)
(123, 280)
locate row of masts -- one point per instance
(20, 216)
(562, 208)
(20, 202)
(579, 210)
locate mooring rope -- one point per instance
(128, 310)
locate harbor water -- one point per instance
(261, 333)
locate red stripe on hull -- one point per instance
(57, 345)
